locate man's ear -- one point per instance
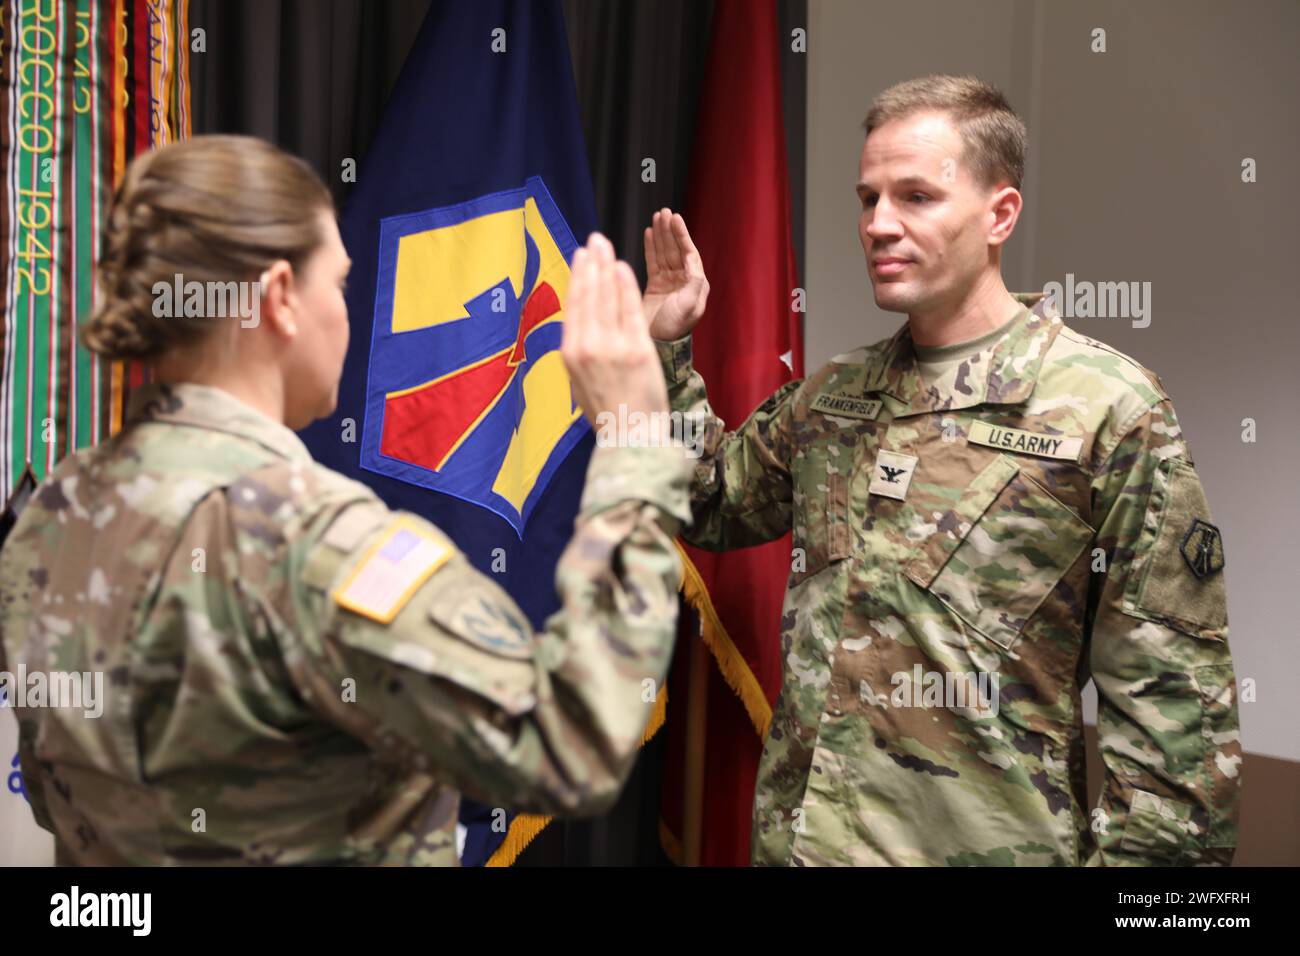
(280, 298)
(1005, 209)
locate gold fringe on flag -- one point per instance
(735, 669)
(523, 830)
(671, 846)
(525, 827)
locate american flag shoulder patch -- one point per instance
(394, 568)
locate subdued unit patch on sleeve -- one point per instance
(1182, 581)
(489, 622)
(401, 560)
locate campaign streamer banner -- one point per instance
(84, 86)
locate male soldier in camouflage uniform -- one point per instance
(987, 500)
(297, 674)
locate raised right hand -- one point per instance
(676, 289)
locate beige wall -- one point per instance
(1134, 175)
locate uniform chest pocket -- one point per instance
(822, 534)
(1008, 543)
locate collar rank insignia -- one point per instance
(1202, 548)
(892, 474)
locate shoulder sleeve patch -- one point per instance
(399, 561)
(489, 621)
(1180, 577)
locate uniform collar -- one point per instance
(202, 406)
(1004, 373)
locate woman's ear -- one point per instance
(279, 298)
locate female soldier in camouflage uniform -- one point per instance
(295, 673)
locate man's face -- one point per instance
(926, 220)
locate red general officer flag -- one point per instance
(747, 345)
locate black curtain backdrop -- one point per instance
(313, 75)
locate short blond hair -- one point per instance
(994, 136)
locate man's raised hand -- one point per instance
(676, 289)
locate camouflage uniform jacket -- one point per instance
(254, 712)
(1031, 519)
